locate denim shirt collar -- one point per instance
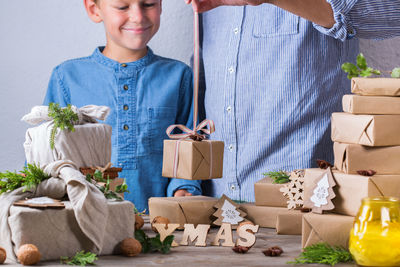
(115, 65)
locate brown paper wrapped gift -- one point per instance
(376, 86)
(350, 189)
(351, 158)
(262, 215)
(193, 209)
(289, 223)
(371, 104)
(268, 194)
(56, 232)
(369, 130)
(197, 160)
(333, 229)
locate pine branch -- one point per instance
(29, 177)
(81, 258)
(280, 177)
(323, 253)
(63, 118)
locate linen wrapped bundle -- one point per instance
(88, 222)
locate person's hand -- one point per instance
(205, 5)
(182, 193)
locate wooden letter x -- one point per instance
(164, 231)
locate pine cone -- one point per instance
(273, 251)
(366, 172)
(240, 249)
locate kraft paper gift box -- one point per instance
(268, 194)
(351, 158)
(375, 86)
(356, 104)
(262, 215)
(181, 210)
(369, 130)
(333, 229)
(289, 223)
(196, 160)
(350, 189)
(56, 233)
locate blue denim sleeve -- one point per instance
(185, 116)
(364, 19)
(192, 186)
(56, 91)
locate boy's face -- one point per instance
(129, 24)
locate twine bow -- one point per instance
(186, 132)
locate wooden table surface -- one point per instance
(211, 255)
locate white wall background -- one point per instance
(37, 35)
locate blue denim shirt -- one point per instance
(145, 97)
(273, 80)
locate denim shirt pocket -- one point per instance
(270, 21)
(159, 119)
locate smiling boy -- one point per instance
(146, 94)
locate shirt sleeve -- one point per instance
(185, 116)
(56, 91)
(364, 19)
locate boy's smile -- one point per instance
(129, 25)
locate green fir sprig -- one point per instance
(361, 69)
(154, 244)
(63, 118)
(279, 177)
(323, 253)
(81, 258)
(29, 177)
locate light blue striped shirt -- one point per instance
(272, 81)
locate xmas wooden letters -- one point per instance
(246, 234)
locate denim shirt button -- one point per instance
(123, 65)
(126, 127)
(126, 87)
(126, 107)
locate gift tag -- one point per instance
(40, 203)
(323, 194)
(228, 212)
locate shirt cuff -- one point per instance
(192, 186)
(342, 29)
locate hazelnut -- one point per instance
(130, 247)
(244, 223)
(159, 220)
(28, 254)
(139, 222)
(3, 255)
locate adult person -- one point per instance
(273, 77)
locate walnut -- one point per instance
(240, 249)
(139, 222)
(3, 255)
(366, 172)
(160, 220)
(130, 247)
(28, 254)
(273, 251)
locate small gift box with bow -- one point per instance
(190, 159)
(190, 156)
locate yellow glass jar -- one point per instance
(375, 237)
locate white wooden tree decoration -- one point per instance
(294, 190)
(323, 194)
(228, 212)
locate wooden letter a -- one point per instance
(225, 233)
